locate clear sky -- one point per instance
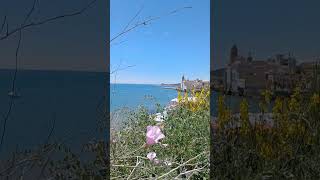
(266, 27)
(164, 50)
(72, 43)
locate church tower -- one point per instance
(183, 86)
(233, 54)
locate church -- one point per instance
(246, 75)
(196, 85)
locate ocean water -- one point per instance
(129, 97)
(233, 103)
(134, 95)
(73, 99)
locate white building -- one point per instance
(183, 86)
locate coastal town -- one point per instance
(247, 76)
(187, 85)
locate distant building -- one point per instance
(310, 74)
(217, 78)
(246, 75)
(189, 85)
(183, 85)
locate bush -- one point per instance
(287, 149)
(183, 153)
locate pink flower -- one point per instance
(151, 155)
(154, 134)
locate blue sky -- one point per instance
(266, 27)
(164, 50)
(71, 43)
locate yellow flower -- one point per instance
(315, 99)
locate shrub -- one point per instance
(182, 153)
(287, 149)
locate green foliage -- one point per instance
(183, 153)
(224, 114)
(244, 118)
(288, 149)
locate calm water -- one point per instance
(134, 95)
(72, 98)
(233, 103)
(127, 97)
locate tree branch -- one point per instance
(23, 26)
(45, 21)
(143, 23)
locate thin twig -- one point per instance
(121, 69)
(52, 128)
(191, 171)
(47, 20)
(3, 24)
(137, 164)
(23, 26)
(144, 23)
(132, 19)
(172, 170)
(15, 73)
(12, 90)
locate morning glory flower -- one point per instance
(151, 155)
(154, 134)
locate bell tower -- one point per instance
(233, 54)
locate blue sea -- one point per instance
(233, 103)
(125, 98)
(134, 95)
(73, 99)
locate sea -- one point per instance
(69, 105)
(233, 103)
(69, 102)
(135, 95)
(125, 98)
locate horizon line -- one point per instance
(139, 83)
(72, 70)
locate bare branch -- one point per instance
(13, 90)
(3, 24)
(143, 23)
(134, 17)
(52, 128)
(47, 20)
(121, 69)
(23, 26)
(172, 170)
